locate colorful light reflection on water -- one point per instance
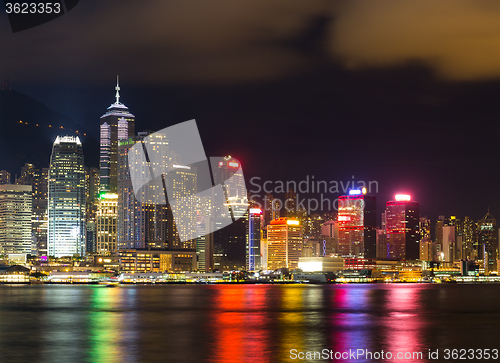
(242, 323)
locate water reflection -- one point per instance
(112, 332)
(63, 323)
(403, 323)
(239, 324)
(350, 322)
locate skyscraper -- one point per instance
(253, 238)
(357, 224)
(92, 184)
(467, 236)
(27, 175)
(106, 220)
(284, 243)
(15, 218)
(402, 227)
(40, 219)
(488, 242)
(151, 225)
(66, 194)
(116, 124)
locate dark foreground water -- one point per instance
(246, 323)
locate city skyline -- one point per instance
(422, 121)
(249, 181)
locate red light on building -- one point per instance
(234, 164)
(221, 163)
(344, 218)
(402, 197)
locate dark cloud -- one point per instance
(459, 38)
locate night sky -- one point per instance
(405, 93)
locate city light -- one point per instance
(402, 197)
(291, 222)
(344, 218)
(181, 166)
(234, 164)
(355, 192)
(255, 211)
(108, 196)
(311, 266)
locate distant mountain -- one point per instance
(28, 130)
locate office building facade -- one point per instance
(116, 124)
(357, 225)
(66, 196)
(15, 218)
(284, 243)
(402, 228)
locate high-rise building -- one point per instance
(4, 177)
(382, 244)
(329, 239)
(151, 225)
(488, 242)
(230, 244)
(116, 124)
(92, 183)
(15, 218)
(290, 205)
(40, 219)
(132, 220)
(357, 224)
(182, 181)
(228, 168)
(66, 195)
(271, 209)
(27, 175)
(424, 227)
(426, 253)
(449, 243)
(253, 240)
(106, 223)
(402, 226)
(284, 243)
(467, 236)
(205, 244)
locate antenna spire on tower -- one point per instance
(117, 88)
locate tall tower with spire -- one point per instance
(116, 124)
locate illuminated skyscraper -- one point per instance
(106, 221)
(116, 124)
(27, 175)
(253, 240)
(290, 207)
(150, 225)
(229, 168)
(15, 218)
(488, 242)
(39, 220)
(66, 231)
(92, 177)
(467, 237)
(284, 243)
(357, 224)
(402, 227)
